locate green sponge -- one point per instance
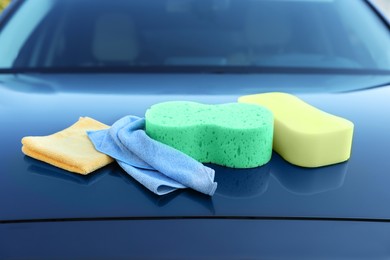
(233, 135)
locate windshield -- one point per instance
(101, 34)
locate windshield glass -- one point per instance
(101, 34)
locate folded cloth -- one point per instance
(69, 149)
(159, 167)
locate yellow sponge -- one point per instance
(304, 135)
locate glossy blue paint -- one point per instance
(189, 84)
(196, 239)
(30, 189)
(41, 104)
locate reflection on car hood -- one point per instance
(30, 189)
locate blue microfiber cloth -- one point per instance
(159, 167)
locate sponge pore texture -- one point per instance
(304, 135)
(233, 135)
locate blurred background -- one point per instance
(384, 4)
(3, 3)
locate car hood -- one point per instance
(32, 190)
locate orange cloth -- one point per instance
(69, 149)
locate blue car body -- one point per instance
(278, 211)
